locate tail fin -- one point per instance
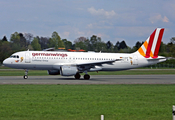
(151, 46)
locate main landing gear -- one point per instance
(77, 76)
(86, 76)
(26, 72)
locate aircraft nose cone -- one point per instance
(5, 62)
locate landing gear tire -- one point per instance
(86, 77)
(77, 76)
(25, 76)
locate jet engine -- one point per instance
(53, 72)
(68, 70)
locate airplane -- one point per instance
(74, 63)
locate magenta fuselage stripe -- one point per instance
(158, 43)
(150, 44)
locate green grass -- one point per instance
(86, 102)
(126, 72)
(21, 72)
(4, 67)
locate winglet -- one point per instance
(150, 47)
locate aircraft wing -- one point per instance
(98, 63)
(94, 66)
(85, 66)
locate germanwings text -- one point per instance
(49, 54)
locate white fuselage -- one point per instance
(53, 60)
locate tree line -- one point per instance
(21, 42)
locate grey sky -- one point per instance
(113, 20)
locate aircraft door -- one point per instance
(135, 60)
(27, 57)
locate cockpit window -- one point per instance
(14, 56)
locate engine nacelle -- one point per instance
(68, 70)
(53, 72)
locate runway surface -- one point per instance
(95, 79)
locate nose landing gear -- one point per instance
(25, 76)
